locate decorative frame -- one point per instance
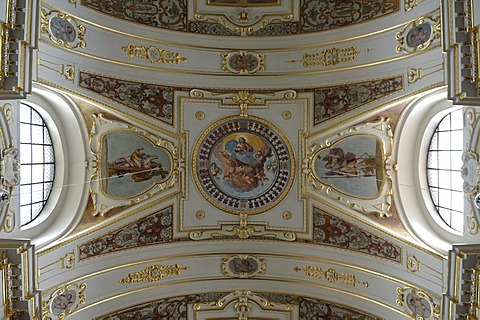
(45, 28)
(249, 62)
(47, 306)
(104, 202)
(402, 37)
(203, 105)
(261, 265)
(379, 204)
(264, 129)
(402, 297)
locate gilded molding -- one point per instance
(329, 57)
(69, 33)
(66, 70)
(331, 275)
(243, 266)
(153, 273)
(243, 230)
(65, 262)
(153, 54)
(410, 4)
(244, 304)
(416, 74)
(200, 214)
(413, 264)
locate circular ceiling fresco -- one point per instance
(243, 165)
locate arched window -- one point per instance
(37, 164)
(444, 165)
(52, 141)
(428, 186)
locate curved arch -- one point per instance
(411, 193)
(70, 139)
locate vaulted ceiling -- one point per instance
(241, 158)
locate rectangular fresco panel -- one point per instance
(352, 166)
(131, 164)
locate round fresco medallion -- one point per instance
(418, 35)
(419, 306)
(239, 265)
(243, 165)
(62, 29)
(63, 302)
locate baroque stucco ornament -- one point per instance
(243, 305)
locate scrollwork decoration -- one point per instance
(153, 273)
(153, 54)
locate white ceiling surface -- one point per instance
(105, 36)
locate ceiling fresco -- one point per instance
(240, 18)
(235, 177)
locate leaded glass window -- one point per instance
(444, 169)
(37, 164)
